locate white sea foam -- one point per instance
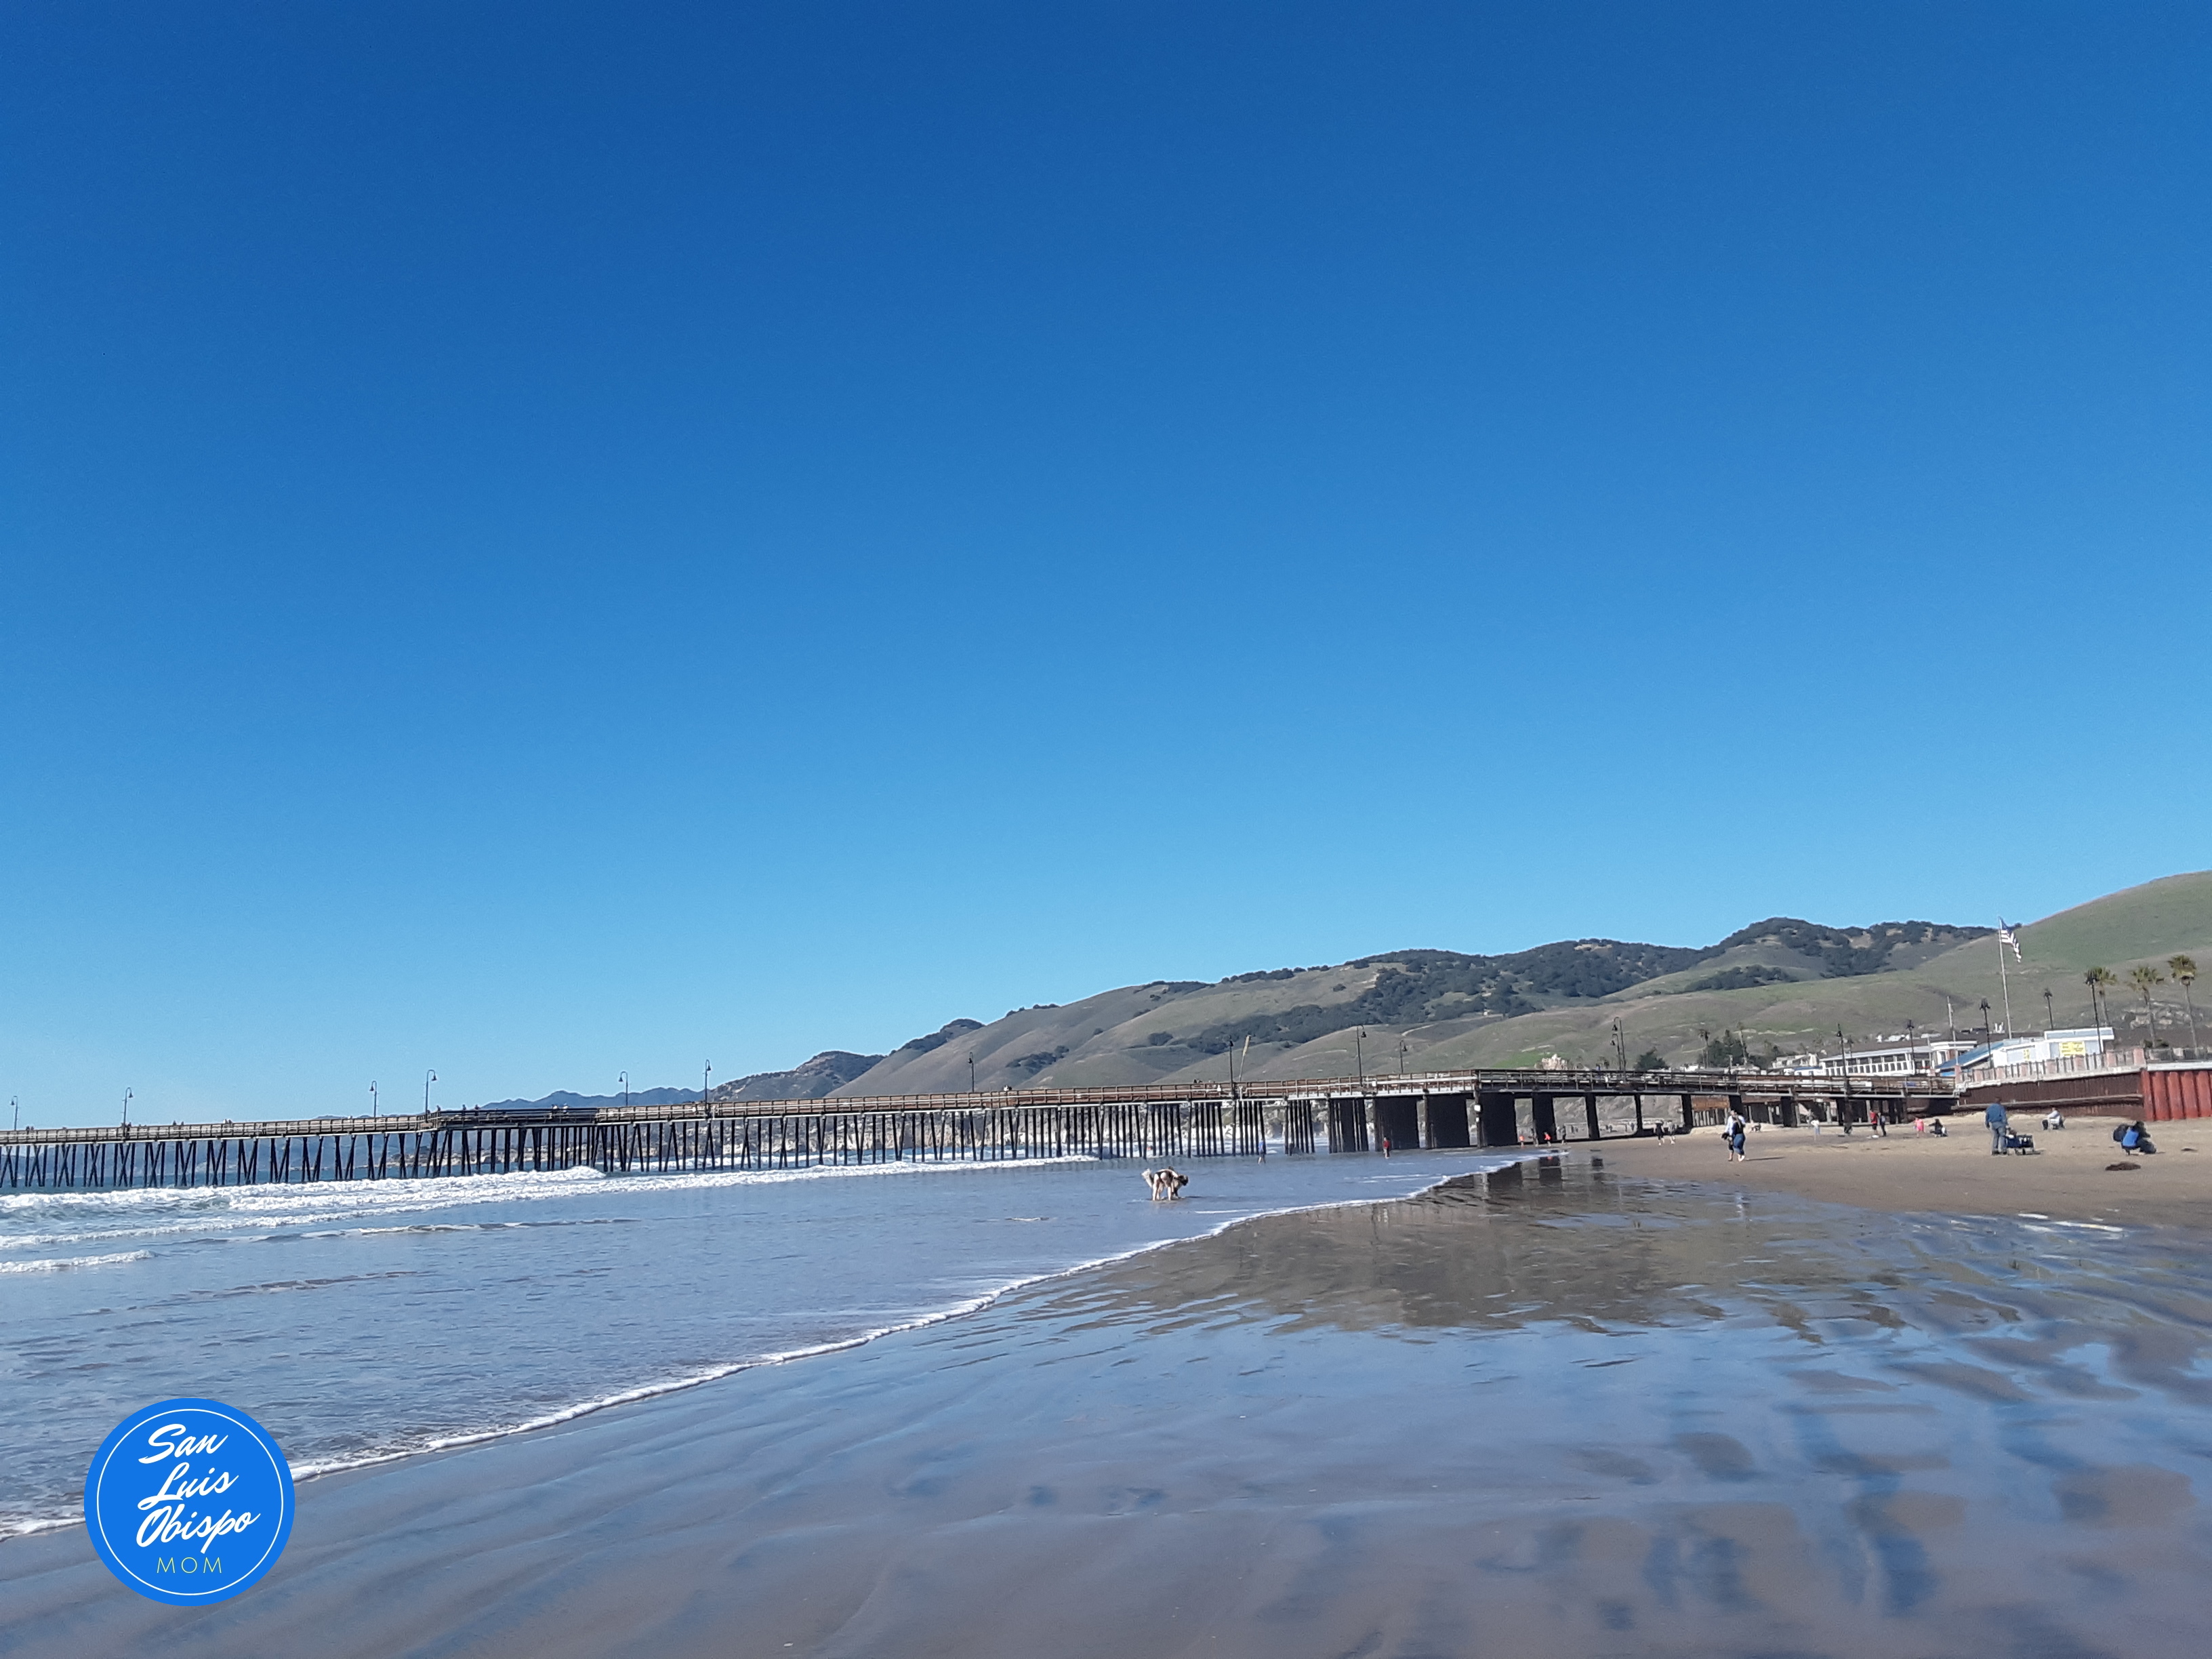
(63, 1263)
(199, 1211)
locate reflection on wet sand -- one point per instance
(1721, 1422)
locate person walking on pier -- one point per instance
(1999, 1125)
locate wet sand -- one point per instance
(2065, 1178)
(1554, 1412)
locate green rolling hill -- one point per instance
(1782, 984)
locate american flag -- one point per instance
(2006, 936)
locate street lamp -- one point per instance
(625, 1084)
(1360, 1056)
(1988, 1035)
(126, 1108)
(971, 1071)
(1401, 1056)
(2050, 1019)
(705, 1077)
(375, 1107)
(428, 1077)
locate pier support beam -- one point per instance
(1544, 1114)
(1398, 1119)
(1498, 1119)
(1448, 1124)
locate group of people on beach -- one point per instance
(2133, 1138)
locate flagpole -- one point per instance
(2004, 980)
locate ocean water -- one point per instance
(361, 1320)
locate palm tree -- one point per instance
(2183, 969)
(2142, 979)
(2100, 981)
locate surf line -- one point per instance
(1491, 1160)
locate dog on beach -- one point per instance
(1166, 1184)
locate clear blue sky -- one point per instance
(541, 540)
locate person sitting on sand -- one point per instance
(2134, 1140)
(2054, 1119)
(1165, 1183)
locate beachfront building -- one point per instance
(2085, 1043)
(1904, 1059)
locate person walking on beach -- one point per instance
(1999, 1124)
(1737, 1154)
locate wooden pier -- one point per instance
(1162, 1121)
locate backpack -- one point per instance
(2121, 1134)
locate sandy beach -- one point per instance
(1556, 1410)
(2067, 1178)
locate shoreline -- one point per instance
(1546, 1409)
(2064, 1180)
(446, 1445)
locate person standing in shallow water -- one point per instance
(1994, 1117)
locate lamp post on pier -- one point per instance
(126, 1108)
(428, 1077)
(625, 1088)
(375, 1106)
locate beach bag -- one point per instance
(2020, 1143)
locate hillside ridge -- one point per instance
(1782, 985)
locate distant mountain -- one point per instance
(1372, 1014)
(637, 1097)
(811, 1081)
(1781, 985)
(825, 1072)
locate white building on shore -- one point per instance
(1904, 1060)
(2084, 1043)
(1947, 1058)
